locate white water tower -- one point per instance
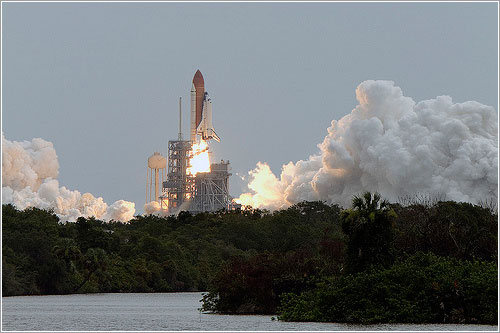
(157, 169)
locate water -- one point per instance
(157, 312)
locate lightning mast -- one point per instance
(180, 119)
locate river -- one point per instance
(158, 312)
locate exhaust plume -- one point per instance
(394, 146)
(29, 179)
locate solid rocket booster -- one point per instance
(193, 113)
(201, 111)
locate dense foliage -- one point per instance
(424, 262)
(376, 262)
(422, 289)
(149, 254)
(368, 226)
(455, 280)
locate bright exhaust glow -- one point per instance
(200, 161)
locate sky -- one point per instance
(101, 81)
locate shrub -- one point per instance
(422, 289)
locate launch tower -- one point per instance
(179, 185)
(204, 191)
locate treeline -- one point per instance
(420, 263)
(376, 262)
(421, 289)
(149, 254)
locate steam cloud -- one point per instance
(29, 179)
(151, 207)
(395, 146)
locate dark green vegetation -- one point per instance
(376, 262)
(421, 289)
(389, 280)
(422, 263)
(149, 254)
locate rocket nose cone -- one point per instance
(198, 79)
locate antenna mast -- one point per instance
(180, 119)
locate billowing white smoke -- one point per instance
(29, 172)
(154, 208)
(395, 146)
(151, 207)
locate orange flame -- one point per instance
(199, 161)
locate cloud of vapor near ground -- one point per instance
(151, 207)
(393, 145)
(29, 179)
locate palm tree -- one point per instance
(369, 203)
(94, 262)
(369, 227)
(67, 250)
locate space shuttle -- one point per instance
(201, 111)
(205, 128)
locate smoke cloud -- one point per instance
(151, 207)
(29, 179)
(395, 146)
(154, 208)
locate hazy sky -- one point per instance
(102, 80)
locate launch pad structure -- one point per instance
(179, 185)
(211, 189)
(204, 191)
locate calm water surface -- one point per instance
(156, 312)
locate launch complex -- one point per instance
(192, 183)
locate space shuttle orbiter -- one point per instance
(201, 111)
(205, 128)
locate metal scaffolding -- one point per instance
(205, 192)
(211, 189)
(179, 186)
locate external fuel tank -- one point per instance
(201, 110)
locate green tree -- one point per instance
(424, 288)
(447, 228)
(369, 227)
(67, 250)
(95, 262)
